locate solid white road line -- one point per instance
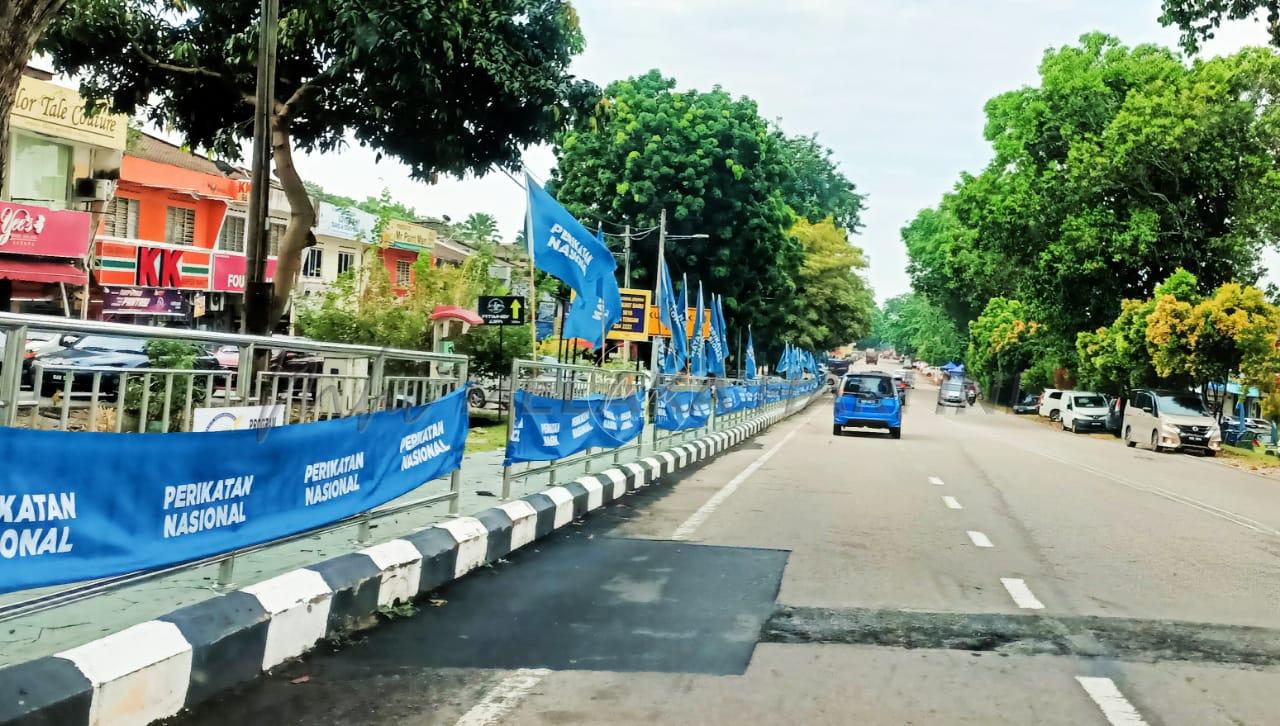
(935, 481)
(503, 697)
(1115, 707)
(979, 539)
(951, 503)
(691, 524)
(1021, 594)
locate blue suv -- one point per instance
(868, 400)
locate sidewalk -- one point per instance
(45, 633)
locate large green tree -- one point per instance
(836, 306)
(1119, 167)
(1199, 20)
(913, 325)
(718, 169)
(1003, 340)
(446, 86)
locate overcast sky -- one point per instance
(894, 87)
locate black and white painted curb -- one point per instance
(155, 669)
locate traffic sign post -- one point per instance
(502, 309)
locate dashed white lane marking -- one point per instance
(706, 510)
(1021, 594)
(979, 539)
(951, 503)
(1115, 707)
(935, 481)
(499, 701)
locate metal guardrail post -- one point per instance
(226, 572)
(455, 478)
(364, 533)
(511, 423)
(11, 375)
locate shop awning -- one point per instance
(406, 246)
(42, 271)
(453, 312)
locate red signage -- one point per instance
(27, 230)
(229, 272)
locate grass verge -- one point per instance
(488, 432)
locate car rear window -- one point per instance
(1090, 402)
(878, 385)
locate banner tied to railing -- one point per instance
(548, 428)
(681, 410)
(77, 506)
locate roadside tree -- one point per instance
(445, 86)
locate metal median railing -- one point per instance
(567, 382)
(79, 375)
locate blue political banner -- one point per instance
(129, 502)
(754, 395)
(561, 246)
(672, 312)
(717, 348)
(548, 428)
(697, 343)
(590, 316)
(750, 371)
(680, 410)
(729, 399)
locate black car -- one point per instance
(1029, 403)
(1115, 415)
(100, 351)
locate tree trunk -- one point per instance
(302, 217)
(21, 24)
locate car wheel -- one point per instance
(1055, 415)
(1210, 453)
(837, 430)
(895, 433)
(475, 398)
(1127, 441)
(1155, 441)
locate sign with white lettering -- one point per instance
(127, 502)
(502, 309)
(30, 230)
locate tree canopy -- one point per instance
(838, 304)
(1121, 166)
(912, 325)
(1199, 20)
(445, 86)
(720, 170)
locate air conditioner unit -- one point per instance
(93, 190)
(217, 302)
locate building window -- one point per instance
(180, 226)
(120, 219)
(311, 263)
(41, 171)
(275, 233)
(231, 238)
(346, 261)
(402, 273)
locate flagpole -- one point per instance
(528, 241)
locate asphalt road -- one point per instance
(848, 580)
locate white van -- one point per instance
(1169, 420)
(1051, 403)
(1084, 411)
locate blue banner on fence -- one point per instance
(680, 410)
(548, 428)
(755, 395)
(730, 399)
(77, 506)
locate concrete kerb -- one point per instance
(153, 670)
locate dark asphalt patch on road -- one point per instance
(1146, 641)
(608, 604)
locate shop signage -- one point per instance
(632, 325)
(502, 309)
(142, 301)
(398, 230)
(153, 265)
(655, 326)
(28, 230)
(344, 222)
(230, 272)
(60, 112)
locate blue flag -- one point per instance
(716, 345)
(750, 370)
(697, 343)
(785, 360)
(561, 246)
(673, 312)
(591, 316)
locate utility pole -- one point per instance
(257, 291)
(626, 255)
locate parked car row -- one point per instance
(1159, 418)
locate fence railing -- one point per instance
(78, 375)
(567, 382)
